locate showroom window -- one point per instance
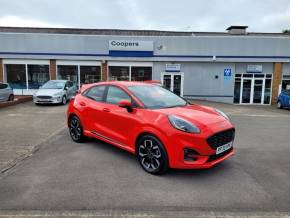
(252, 88)
(16, 75)
(141, 73)
(119, 73)
(90, 74)
(130, 73)
(68, 72)
(37, 75)
(286, 82)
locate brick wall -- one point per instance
(277, 79)
(1, 70)
(105, 71)
(52, 69)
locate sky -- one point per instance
(176, 15)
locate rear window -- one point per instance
(95, 93)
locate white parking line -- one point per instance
(259, 115)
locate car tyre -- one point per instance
(11, 97)
(76, 129)
(152, 155)
(279, 105)
(64, 100)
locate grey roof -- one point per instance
(126, 32)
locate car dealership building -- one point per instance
(233, 66)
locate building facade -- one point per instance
(231, 67)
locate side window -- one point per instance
(3, 86)
(95, 93)
(115, 95)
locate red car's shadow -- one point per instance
(131, 159)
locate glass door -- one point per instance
(173, 82)
(258, 91)
(177, 84)
(246, 91)
(253, 89)
(167, 81)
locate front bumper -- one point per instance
(204, 155)
(52, 100)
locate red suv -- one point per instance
(161, 128)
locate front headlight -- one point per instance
(222, 114)
(182, 124)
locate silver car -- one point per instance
(55, 92)
(6, 92)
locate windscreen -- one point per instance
(155, 97)
(53, 85)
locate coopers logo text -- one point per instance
(130, 45)
(124, 44)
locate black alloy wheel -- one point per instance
(152, 155)
(76, 129)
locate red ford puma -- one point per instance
(162, 129)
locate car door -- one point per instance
(69, 89)
(91, 104)
(117, 123)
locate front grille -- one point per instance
(44, 97)
(221, 138)
(217, 156)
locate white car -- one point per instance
(55, 92)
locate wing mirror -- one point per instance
(126, 104)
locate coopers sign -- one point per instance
(130, 45)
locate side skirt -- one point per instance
(101, 137)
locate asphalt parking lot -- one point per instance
(64, 176)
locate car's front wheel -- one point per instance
(152, 155)
(76, 129)
(279, 105)
(11, 97)
(64, 100)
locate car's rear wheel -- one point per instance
(64, 100)
(152, 155)
(76, 129)
(11, 97)
(279, 105)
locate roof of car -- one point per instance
(117, 83)
(123, 83)
(59, 80)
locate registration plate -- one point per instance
(223, 148)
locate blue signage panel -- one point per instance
(227, 74)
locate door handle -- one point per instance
(82, 103)
(106, 109)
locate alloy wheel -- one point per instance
(150, 155)
(75, 129)
(63, 100)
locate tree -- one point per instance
(286, 31)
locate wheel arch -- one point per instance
(71, 115)
(156, 134)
